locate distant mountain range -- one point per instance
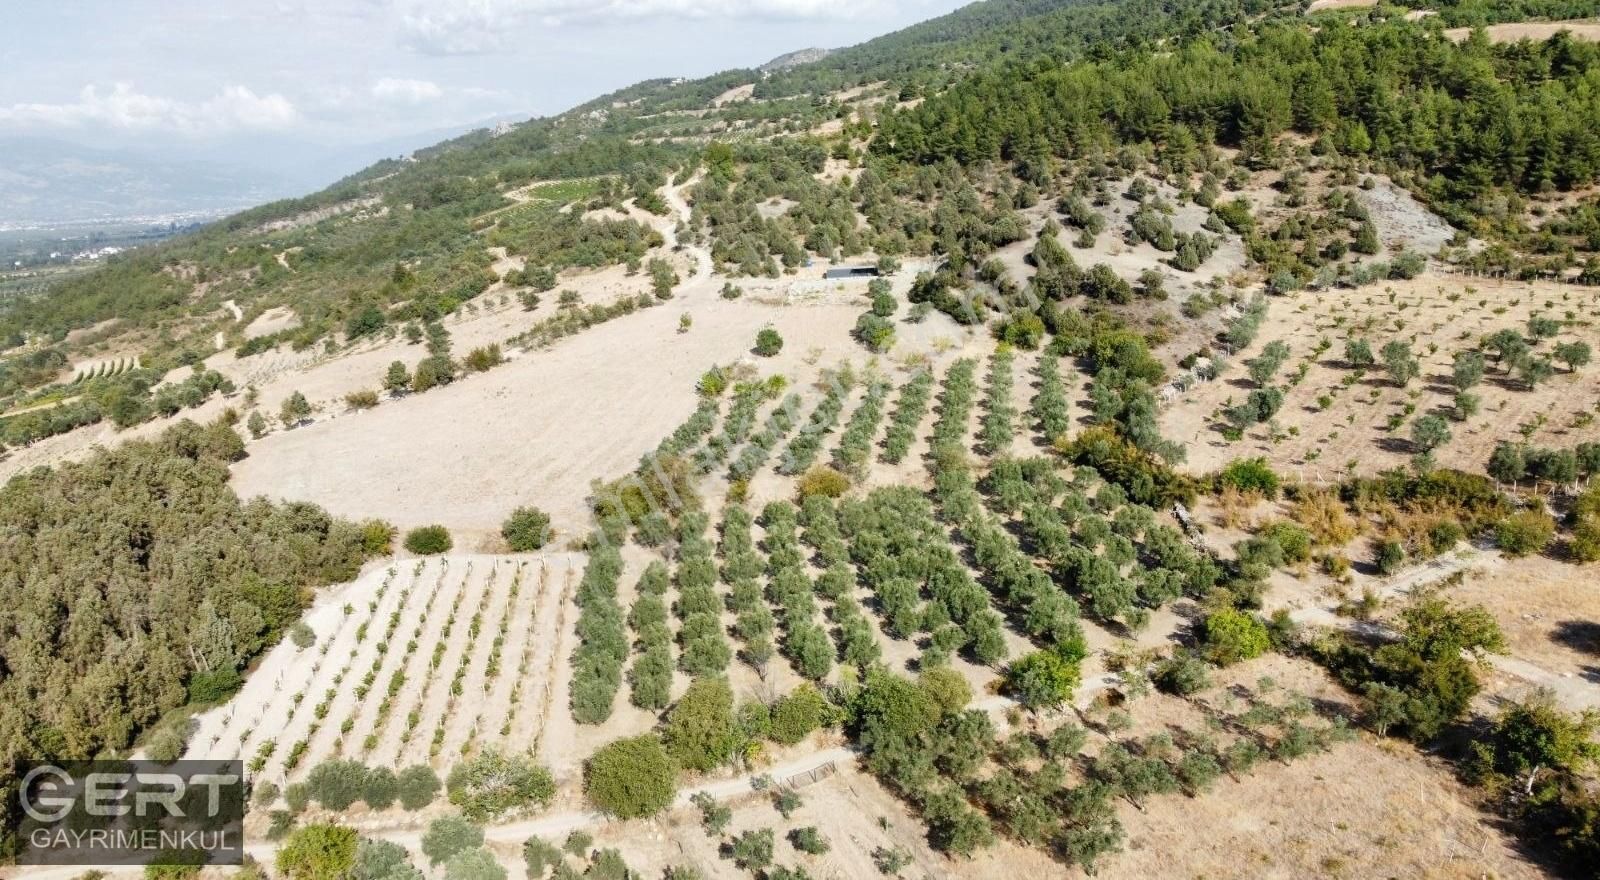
(45, 181)
(48, 182)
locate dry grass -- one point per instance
(1323, 515)
(1234, 507)
(1549, 611)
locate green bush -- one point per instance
(1525, 533)
(417, 786)
(448, 835)
(699, 732)
(798, 713)
(824, 481)
(1250, 475)
(631, 778)
(1182, 674)
(768, 342)
(337, 784)
(1042, 678)
(428, 540)
(492, 784)
(474, 864)
(381, 789)
(1391, 555)
(213, 686)
(317, 852)
(526, 530)
(1229, 636)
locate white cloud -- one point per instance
(466, 27)
(406, 91)
(235, 107)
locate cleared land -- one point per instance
(535, 430)
(1531, 30)
(1337, 418)
(1323, 5)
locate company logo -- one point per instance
(129, 813)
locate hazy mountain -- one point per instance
(46, 181)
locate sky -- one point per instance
(286, 81)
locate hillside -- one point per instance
(1086, 436)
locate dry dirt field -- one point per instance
(1324, 5)
(1536, 31)
(536, 430)
(1437, 315)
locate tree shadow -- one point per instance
(1397, 445)
(1579, 635)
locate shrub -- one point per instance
(302, 635)
(474, 864)
(166, 744)
(1525, 533)
(377, 537)
(317, 852)
(428, 540)
(1430, 432)
(337, 784)
(752, 850)
(808, 840)
(578, 843)
(823, 480)
(210, 688)
(381, 788)
(381, 860)
(798, 713)
(768, 342)
(417, 786)
(448, 835)
(1251, 475)
(485, 358)
(294, 408)
(1390, 556)
(699, 733)
(539, 854)
(1229, 636)
(1183, 674)
(361, 399)
(492, 785)
(279, 824)
(1042, 678)
(397, 380)
(947, 688)
(526, 530)
(631, 778)
(265, 793)
(1292, 540)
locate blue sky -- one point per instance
(190, 76)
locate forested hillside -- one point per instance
(1462, 121)
(136, 582)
